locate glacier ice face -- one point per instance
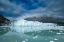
(27, 23)
(29, 26)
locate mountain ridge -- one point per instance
(46, 20)
(3, 20)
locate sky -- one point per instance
(13, 9)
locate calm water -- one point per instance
(50, 35)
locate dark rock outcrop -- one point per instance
(3, 20)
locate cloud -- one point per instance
(54, 8)
(2, 9)
(25, 8)
(11, 18)
(11, 7)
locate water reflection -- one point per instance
(51, 35)
(4, 30)
(16, 37)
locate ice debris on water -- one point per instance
(23, 41)
(35, 37)
(58, 33)
(51, 41)
(55, 39)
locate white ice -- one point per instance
(29, 26)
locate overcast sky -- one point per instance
(15, 8)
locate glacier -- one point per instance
(22, 26)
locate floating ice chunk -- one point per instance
(51, 41)
(35, 37)
(55, 39)
(58, 33)
(26, 39)
(23, 41)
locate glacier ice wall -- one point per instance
(23, 26)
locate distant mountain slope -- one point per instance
(3, 20)
(46, 20)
